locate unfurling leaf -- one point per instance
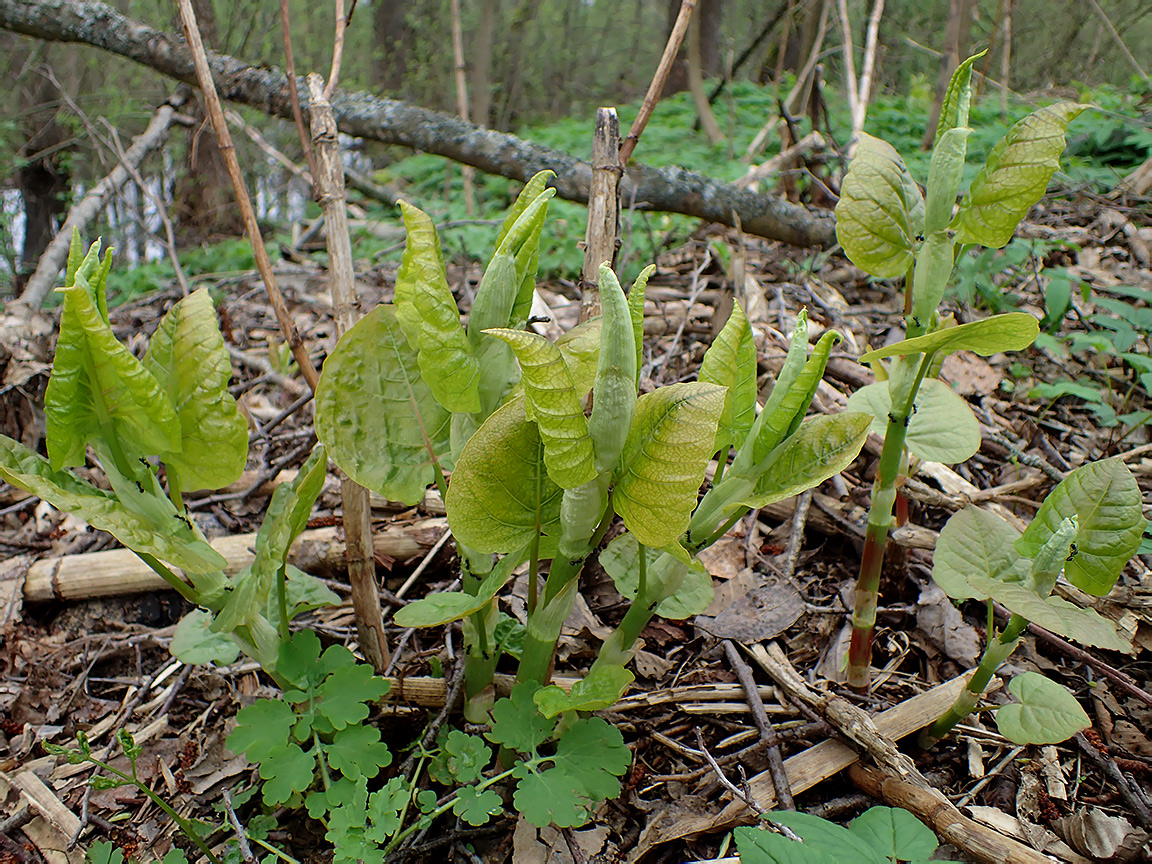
(957, 98)
(1013, 331)
(730, 361)
(1046, 713)
(880, 211)
(942, 428)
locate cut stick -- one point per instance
(119, 571)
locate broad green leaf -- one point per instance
(305, 593)
(602, 687)
(636, 312)
(195, 642)
(957, 98)
(764, 846)
(942, 428)
(976, 543)
(895, 833)
(550, 399)
(1013, 331)
(445, 606)
(505, 299)
(730, 361)
(376, 414)
(823, 445)
(580, 347)
(516, 723)
(1104, 498)
(100, 391)
(1015, 176)
(1053, 613)
(1046, 713)
(832, 839)
(158, 531)
(593, 752)
(501, 495)
(664, 457)
(188, 358)
(876, 220)
(551, 797)
(685, 590)
(427, 311)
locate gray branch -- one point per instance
(363, 115)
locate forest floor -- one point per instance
(74, 663)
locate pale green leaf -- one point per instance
(600, 689)
(934, 264)
(942, 428)
(1053, 613)
(187, 356)
(662, 465)
(194, 641)
(158, 530)
(551, 400)
(446, 606)
(100, 391)
(500, 495)
(614, 402)
(976, 544)
(1105, 499)
(875, 217)
(730, 361)
(1013, 331)
(944, 175)
(685, 588)
(1015, 176)
(1046, 713)
(580, 348)
(427, 311)
(376, 415)
(957, 98)
(636, 312)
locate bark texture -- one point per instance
(670, 189)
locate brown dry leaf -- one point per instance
(764, 611)
(1128, 735)
(725, 558)
(1103, 837)
(538, 846)
(945, 626)
(970, 375)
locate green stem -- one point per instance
(160, 569)
(998, 650)
(282, 601)
(440, 811)
(876, 534)
(536, 658)
(175, 495)
(283, 856)
(719, 532)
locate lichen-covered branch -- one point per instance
(673, 189)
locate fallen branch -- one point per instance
(671, 189)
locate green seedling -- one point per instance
(1087, 529)
(880, 835)
(105, 852)
(889, 229)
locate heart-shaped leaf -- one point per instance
(895, 833)
(976, 543)
(942, 429)
(1046, 713)
(1012, 331)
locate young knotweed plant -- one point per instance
(1087, 530)
(407, 386)
(888, 229)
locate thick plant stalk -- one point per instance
(996, 652)
(329, 179)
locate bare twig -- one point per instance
(228, 151)
(1120, 42)
(293, 91)
(867, 68)
(462, 98)
(337, 52)
(601, 239)
(767, 731)
(743, 794)
(657, 85)
(241, 837)
(796, 539)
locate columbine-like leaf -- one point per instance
(600, 689)
(1046, 713)
(1104, 498)
(1012, 331)
(1015, 176)
(516, 723)
(942, 429)
(880, 211)
(158, 531)
(551, 797)
(821, 447)
(100, 390)
(664, 457)
(427, 311)
(592, 751)
(730, 361)
(976, 543)
(550, 399)
(957, 98)
(376, 414)
(501, 495)
(443, 607)
(188, 358)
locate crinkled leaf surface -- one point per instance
(954, 108)
(550, 399)
(662, 465)
(895, 833)
(1046, 713)
(376, 414)
(730, 361)
(98, 388)
(580, 348)
(942, 429)
(1105, 499)
(158, 530)
(1015, 176)
(1013, 331)
(427, 311)
(188, 358)
(880, 211)
(500, 495)
(636, 311)
(976, 543)
(823, 445)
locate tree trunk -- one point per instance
(394, 37)
(482, 64)
(514, 79)
(707, 17)
(956, 41)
